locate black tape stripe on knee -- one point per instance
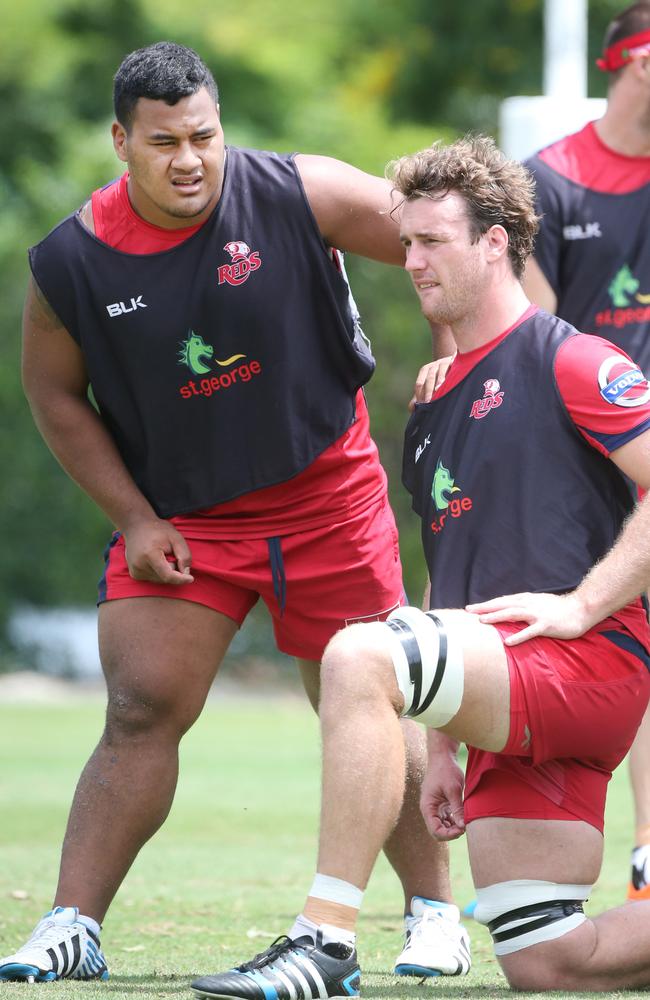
(414, 658)
(412, 650)
(542, 914)
(440, 665)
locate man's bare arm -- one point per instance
(56, 384)
(622, 575)
(352, 208)
(353, 212)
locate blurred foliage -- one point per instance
(363, 80)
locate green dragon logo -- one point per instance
(623, 286)
(442, 483)
(192, 351)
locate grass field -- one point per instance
(232, 864)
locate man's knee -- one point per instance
(536, 927)
(561, 964)
(134, 711)
(428, 661)
(357, 667)
(412, 658)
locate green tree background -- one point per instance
(362, 80)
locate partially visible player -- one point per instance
(202, 297)
(591, 264)
(520, 470)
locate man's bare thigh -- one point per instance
(565, 851)
(162, 645)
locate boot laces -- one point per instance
(278, 948)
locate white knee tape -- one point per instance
(428, 662)
(524, 912)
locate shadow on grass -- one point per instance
(388, 989)
(379, 986)
(150, 985)
(431, 991)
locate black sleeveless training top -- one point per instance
(510, 494)
(223, 365)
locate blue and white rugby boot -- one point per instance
(60, 948)
(286, 970)
(436, 943)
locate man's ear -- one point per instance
(118, 133)
(496, 239)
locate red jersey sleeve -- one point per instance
(606, 394)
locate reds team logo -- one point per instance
(243, 262)
(622, 383)
(492, 397)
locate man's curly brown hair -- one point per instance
(498, 191)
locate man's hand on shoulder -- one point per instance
(429, 378)
(559, 616)
(352, 208)
(157, 552)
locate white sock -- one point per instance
(91, 924)
(303, 927)
(420, 904)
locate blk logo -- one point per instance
(420, 448)
(119, 308)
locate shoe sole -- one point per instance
(18, 973)
(230, 996)
(416, 970)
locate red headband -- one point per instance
(623, 52)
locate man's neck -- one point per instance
(625, 126)
(498, 311)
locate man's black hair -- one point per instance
(630, 21)
(163, 71)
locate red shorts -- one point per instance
(313, 582)
(575, 707)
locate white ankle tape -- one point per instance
(525, 912)
(336, 890)
(428, 663)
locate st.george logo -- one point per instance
(444, 484)
(243, 262)
(194, 352)
(624, 288)
(199, 356)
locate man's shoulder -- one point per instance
(264, 171)
(565, 156)
(583, 162)
(541, 322)
(61, 232)
(257, 157)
